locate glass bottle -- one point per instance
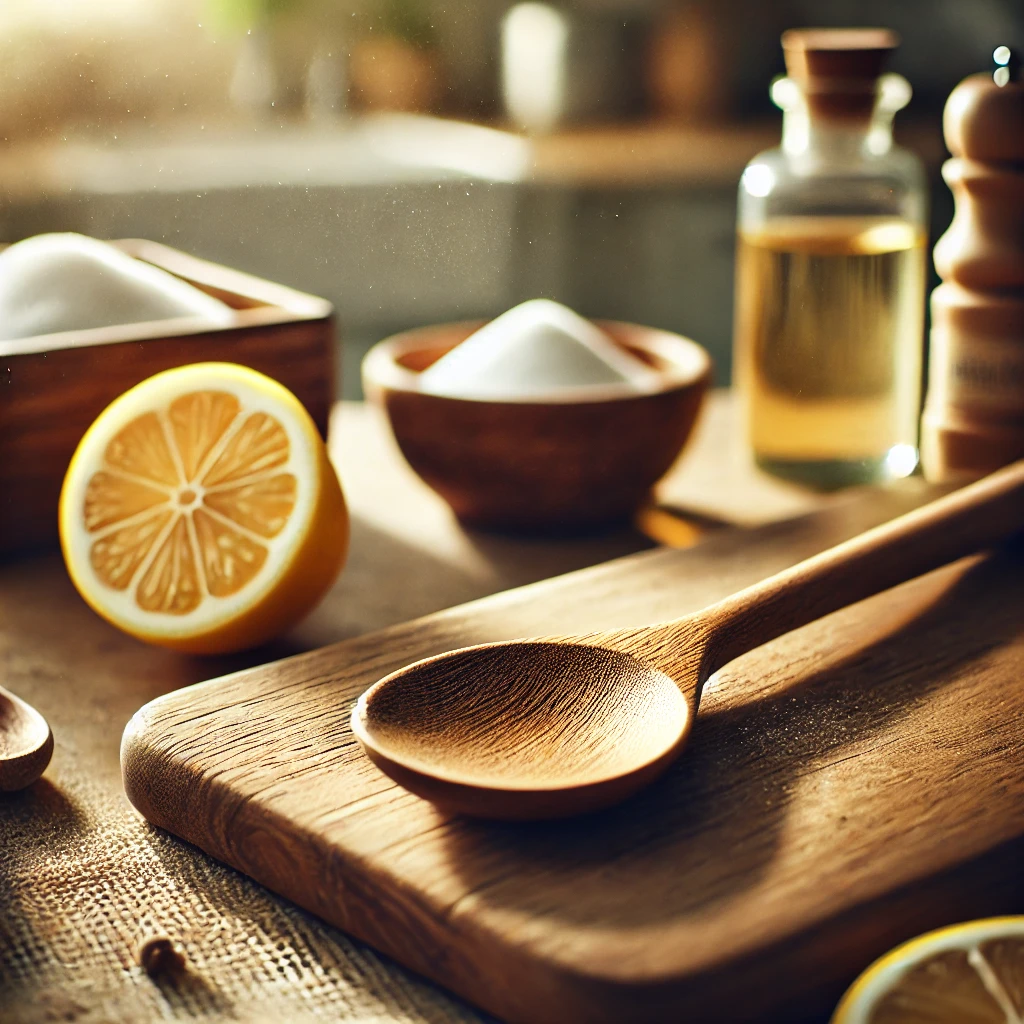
(830, 272)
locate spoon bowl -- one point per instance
(557, 726)
(26, 743)
(524, 729)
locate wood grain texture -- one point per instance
(530, 729)
(565, 465)
(849, 785)
(55, 385)
(557, 726)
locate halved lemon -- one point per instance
(200, 510)
(969, 973)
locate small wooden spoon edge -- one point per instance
(26, 743)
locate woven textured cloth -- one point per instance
(84, 880)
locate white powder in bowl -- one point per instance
(534, 350)
(69, 282)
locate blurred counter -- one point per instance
(403, 220)
(379, 149)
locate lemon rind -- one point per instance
(883, 975)
(256, 393)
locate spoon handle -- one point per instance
(974, 518)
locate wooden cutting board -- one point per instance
(847, 786)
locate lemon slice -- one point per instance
(966, 974)
(200, 510)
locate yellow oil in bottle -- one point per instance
(829, 341)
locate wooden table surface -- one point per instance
(73, 830)
(409, 556)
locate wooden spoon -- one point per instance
(26, 743)
(563, 725)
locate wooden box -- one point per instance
(53, 386)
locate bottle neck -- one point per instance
(831, 139)
(809, 133)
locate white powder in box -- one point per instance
(535, 351)
(70, 282)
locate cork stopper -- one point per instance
(838, 68)
(984, 115)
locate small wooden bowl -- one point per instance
(575, 462)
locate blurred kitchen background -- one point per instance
(423, 160)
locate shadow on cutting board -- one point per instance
(771, 723)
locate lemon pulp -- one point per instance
(200, 510)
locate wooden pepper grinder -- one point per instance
(973, 418)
